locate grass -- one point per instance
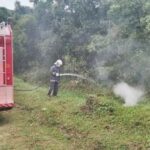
(73, 121)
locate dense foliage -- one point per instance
(104, 39)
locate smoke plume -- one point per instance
(130, 95)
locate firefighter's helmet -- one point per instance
(59, 63)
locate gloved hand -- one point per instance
(57, 74)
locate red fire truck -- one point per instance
(6, 67)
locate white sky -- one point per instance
(10, 3)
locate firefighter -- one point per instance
(55, 77)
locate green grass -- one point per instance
(69, 122)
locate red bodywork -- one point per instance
(6, 67)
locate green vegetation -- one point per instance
(73, 120)
(107, 40)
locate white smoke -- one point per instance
(130, 95)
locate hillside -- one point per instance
(73, 121)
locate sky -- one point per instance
(10, 3)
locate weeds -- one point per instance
(74, 120)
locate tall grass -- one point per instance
(75, 120)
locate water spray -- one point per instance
(79, 76)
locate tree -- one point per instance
(25, 50)
(128, 14)
(19, 9)
(4, 14)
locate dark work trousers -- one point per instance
(53, 90)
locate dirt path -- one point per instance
(11, 129)
(18, 131)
